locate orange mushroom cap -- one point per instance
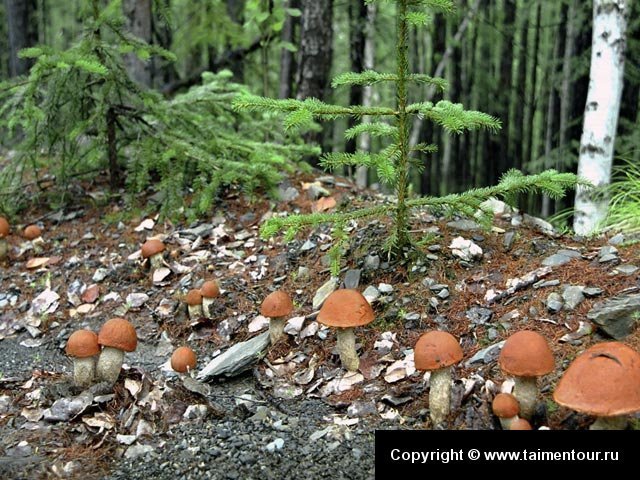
(31, 232)
(118, 333)
(183, 359)
(526, 354)
(4, 227)
(152, 247)
(435, 350)
(210, 289)
(603, 381)
(346, 308)
(194, 297)
(276, 304)
(82, 344)
(505, 405)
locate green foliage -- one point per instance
(394, 161)
(624, 193)
(78, 112)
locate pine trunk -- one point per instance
(23, 33)
(364, 142)
(137, 14)
(357, 24)
(601, 111)
(287, 63)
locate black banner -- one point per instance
(454, 451)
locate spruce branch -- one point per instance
(375, 129)
(453, 117)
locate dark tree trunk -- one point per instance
(357, 25)
(23, 33)
(315, 54)
(138, 16)
(164, 71)
(519, 95)
(527, 154)
(235, 10)
(287, 59)
(631, 90)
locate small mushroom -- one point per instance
(506, 407)
(437, 352)
(83, 347)
(152, 249)
(603, 381)
(344, 310)
(116, 337)
(277, 305)
(183, 360)
(4, 233)
(194, 304)
(526, 356)
(210, 291)
(31, 232)
(520, 424)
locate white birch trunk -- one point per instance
(601, 111)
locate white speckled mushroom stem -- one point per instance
(4, 247)
(207, 307)
(609, 423)
(109, 365)
(156, 261)
(84, 371)
(276, 328)
(525, 390)
(440, 395)
(195, 311)
(505, 423)
(347, 348)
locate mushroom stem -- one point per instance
(207, 306)
(526, 391)
(609, 423)
(440, 395)
(506, 422)
(156, 261)
(84, 371)
(109, 365)
(347, 348)
(195, 311)
(276, 328)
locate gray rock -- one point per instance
(546, 283)
(288, 194)
(539, 224)
(371, 293)
(616, 316)
(203, 230)
(479, 315)
(616, 239)
(509, 238)
(316, 191)
(607, 250)
(626, 269)
(385, 288)
(303, 273)
(427, 282)
(443, 294)
(352, 278)
(486, 355)
(610, 257)
(572, 296)
(554, 302)
(437, 287)
(324, 291)
(308, 245)
(65, 409)
(372, 262)
(560, 258)
(135, 451)
(464, 225)
(362, 408)
(590, 292)
(236, 359)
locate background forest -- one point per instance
(524, 62)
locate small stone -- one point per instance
(135, 451)
(303, 273)
(362, 408)
(608, 258)
(554, 302)
(277, 444)
(590, 292)
(372, 262)
(486, 355)
(316, 191)
(288, 194)
(616, 239)
(100, 274)
(385, 288)
(136, 300)
(323, 292)
(352, 278)
(464, 225)
(479, 315)
(572, 297)
(308, 245)
(626, 269)
(507, 241)
(371, 293)
(607, 250)
(443, 294)
(617, 316)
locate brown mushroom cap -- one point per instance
(526, 354)
(210, 289)
(276, 304)
(603, 381)
(32, 232)
(82, 344)
(194, 297)
(505, 405)
(4, 227)
(183, 359)
(520, 424)
(435, 350)
(118, 333)
(346, 308)
(152, 247)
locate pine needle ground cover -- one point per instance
(393, 164)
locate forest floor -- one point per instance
(295, 413)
